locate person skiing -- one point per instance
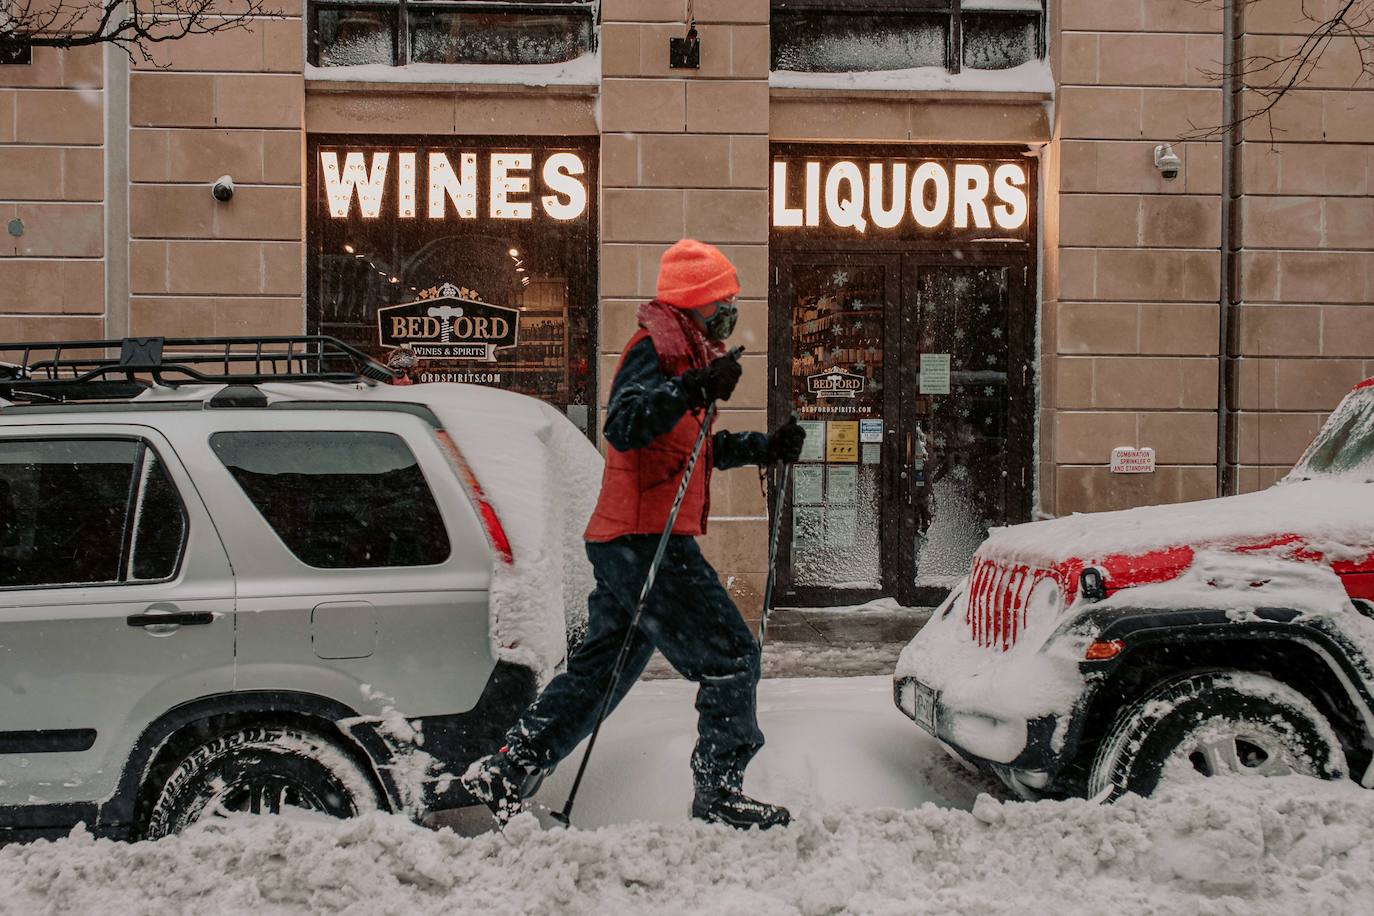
(672, 368)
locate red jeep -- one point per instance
(1105, 653)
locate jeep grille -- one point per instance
(997, 601)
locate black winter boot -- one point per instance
(501, 784)
(730, 806)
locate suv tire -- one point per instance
(261, 770)
(1205, 724)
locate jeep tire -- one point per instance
(1207, 724)
(261, 770)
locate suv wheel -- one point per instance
(1211, 724)
(263, 770)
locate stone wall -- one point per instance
(1130, 315)
(1305, 239)
(685, 153)
(52, 179)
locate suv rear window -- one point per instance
(86, 511)
(339, 500)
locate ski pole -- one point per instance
(562, 817)
(773, 553)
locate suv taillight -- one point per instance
(496, 534)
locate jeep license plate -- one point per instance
(923, 706)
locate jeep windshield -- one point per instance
(1345, 445)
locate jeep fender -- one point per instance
(1143, 631)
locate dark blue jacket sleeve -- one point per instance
(645, 403)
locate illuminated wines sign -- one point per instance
(974, 199)
(453, 184)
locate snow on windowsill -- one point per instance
(1030, 77)
(1020, 6)
(581, 71)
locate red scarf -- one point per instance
(677, 338)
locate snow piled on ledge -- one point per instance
(1032, 77)
(580, 71)
(1283, 845)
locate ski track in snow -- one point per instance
(836, 750)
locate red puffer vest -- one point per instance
(638, 486)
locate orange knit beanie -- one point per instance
(693, 274)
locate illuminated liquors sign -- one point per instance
(897, 197)
(452, 325)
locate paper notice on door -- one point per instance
(871, 454)
(934, 373)
(841, 485)
(840, 525)
(870, 431)
(813, 449)
(842, 442)
(806, 484)
(807, 522)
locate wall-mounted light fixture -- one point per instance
(685, 53)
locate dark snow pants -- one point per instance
(690, 618)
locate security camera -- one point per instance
(1167, 161)
(223, 188)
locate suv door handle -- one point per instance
(176, 618)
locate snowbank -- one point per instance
(1287, 845)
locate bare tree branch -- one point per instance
(1267, 79)
(135, 26)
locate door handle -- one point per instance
(173, 619)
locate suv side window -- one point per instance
(86, 511)
(339, 500)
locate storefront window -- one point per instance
(450, 32)
(829, 36)
(472, 258)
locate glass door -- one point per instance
(913, 375)
(967, 415)
(834, 343)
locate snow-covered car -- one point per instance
(1104, 653)
(241, 575)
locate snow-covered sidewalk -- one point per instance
(841, 755)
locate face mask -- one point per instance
(722, 324)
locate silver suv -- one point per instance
(236, 576)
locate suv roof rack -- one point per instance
(85, 370)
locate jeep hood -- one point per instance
(1322, 519)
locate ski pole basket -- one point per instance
(90, 370)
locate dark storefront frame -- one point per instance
(904, 257)
(579, 239)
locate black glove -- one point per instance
(785, 444)
(716, 382)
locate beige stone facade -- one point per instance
(108, 167)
